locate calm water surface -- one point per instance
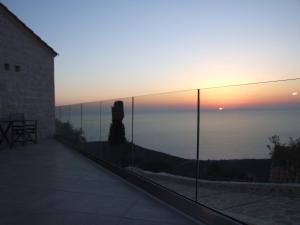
(234, 134)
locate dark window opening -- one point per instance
(17, 68)
(6, 66)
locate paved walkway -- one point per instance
(51, 184)
(254, 208)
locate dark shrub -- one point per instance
(286, 156)
(68, 133)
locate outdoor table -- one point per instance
(5, 126)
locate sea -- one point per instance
(223, 134)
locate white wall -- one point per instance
(30, 91)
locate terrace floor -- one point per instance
(48, 183)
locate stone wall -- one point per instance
(171, 181)
(28, 85)
(282, 175)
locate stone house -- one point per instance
(26, 73)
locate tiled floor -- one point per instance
(51, 184)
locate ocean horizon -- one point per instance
(226, 134)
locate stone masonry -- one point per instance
(26, 73)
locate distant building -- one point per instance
(26, 73)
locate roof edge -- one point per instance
(28, 29)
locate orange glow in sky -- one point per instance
(251, 95)
(115, 49)
(244, 96)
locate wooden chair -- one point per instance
(17, 128)
(5, 126)
(30, 129)
(22, 131)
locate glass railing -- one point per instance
(165, 140)
(234, 149)
(238, 160)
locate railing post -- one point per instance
(69, 116)
(81, 116)
(198, 133)
(100, 117)
(132, 138)
(59, 113)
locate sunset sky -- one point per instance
(110, 49)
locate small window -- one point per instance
(6, 66)
(17, 68)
